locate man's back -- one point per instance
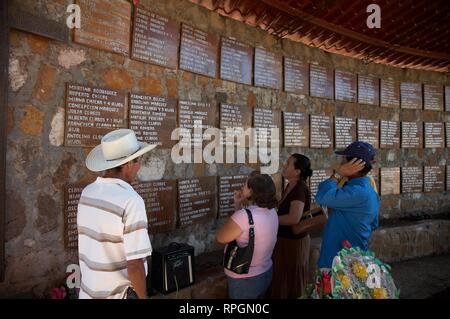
(112, 229)
(354, 217)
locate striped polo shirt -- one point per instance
(112, 229)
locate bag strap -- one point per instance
(251, 232)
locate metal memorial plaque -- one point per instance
(448, 177)
(368, 90)
(159, 197)
(368, 131)
(236, 61)
(321, 81)
(345, 86)
(344, 131)
(390, 181)
(447, 132)
(268, 69)
(72, 194)
(153, 118)
(390, 134)
(155, 39)
(91, 112)
(197, 198)
(236, 118)
(434, 135)
(411, 95)
(227, 186)
(198, 52)
(390, 93)
(296, 76)
(191, 111)
(434, 179)
(266, 119)
(318, 176)
(412, 179)
(433, 97)
(295, 129)
(105, 25)
(412, 135)
(321, 131)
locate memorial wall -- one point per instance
(165, 64)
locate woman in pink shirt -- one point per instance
(260, 192)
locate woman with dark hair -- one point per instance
(291, 253)
(260, 193)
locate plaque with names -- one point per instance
(390, 134)
(411, 95)
(412, 179)
(375, 174)
(345, 86)
(321, 81)
(368, 131)
(263, 121)
(390, 93)
(227, 186)
(296, 76)
(434, 135)
(190, 112)
(447, 130)
(198, 52)
(91, 112)
(236, 61)
(268, 68)
(197, 200)
(159, 204)
(234, 118)
(296, 129)
(433, 97)
(412, 135)
(448, 177)
(368, 90)
(321, 131)
(153, 118)
(105, 25)
(447, 98)
(155, 39)
(434, 178)
(318, 176)
(72, 194)
(390, 181)
(344, 131)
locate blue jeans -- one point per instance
(251, 287)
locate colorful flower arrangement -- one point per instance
(355, 274)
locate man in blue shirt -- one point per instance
(354, 207)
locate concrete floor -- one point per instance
(421, 278)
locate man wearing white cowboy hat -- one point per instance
(113, 240)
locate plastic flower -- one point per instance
(379, 293)
(326, 281)
(345, 281)
(58, 293)
(359, 270)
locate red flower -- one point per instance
(346, 244)
(58, 293)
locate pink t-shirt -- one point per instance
(266, 228)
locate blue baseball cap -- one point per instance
(361, 150)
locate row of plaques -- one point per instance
(203, 199)
(92, 112)
(157, 39)
(200, 200)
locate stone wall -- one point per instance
(38, 165)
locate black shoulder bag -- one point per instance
(238, 259)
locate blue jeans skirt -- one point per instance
(251, 287)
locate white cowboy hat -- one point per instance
(117, 148)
